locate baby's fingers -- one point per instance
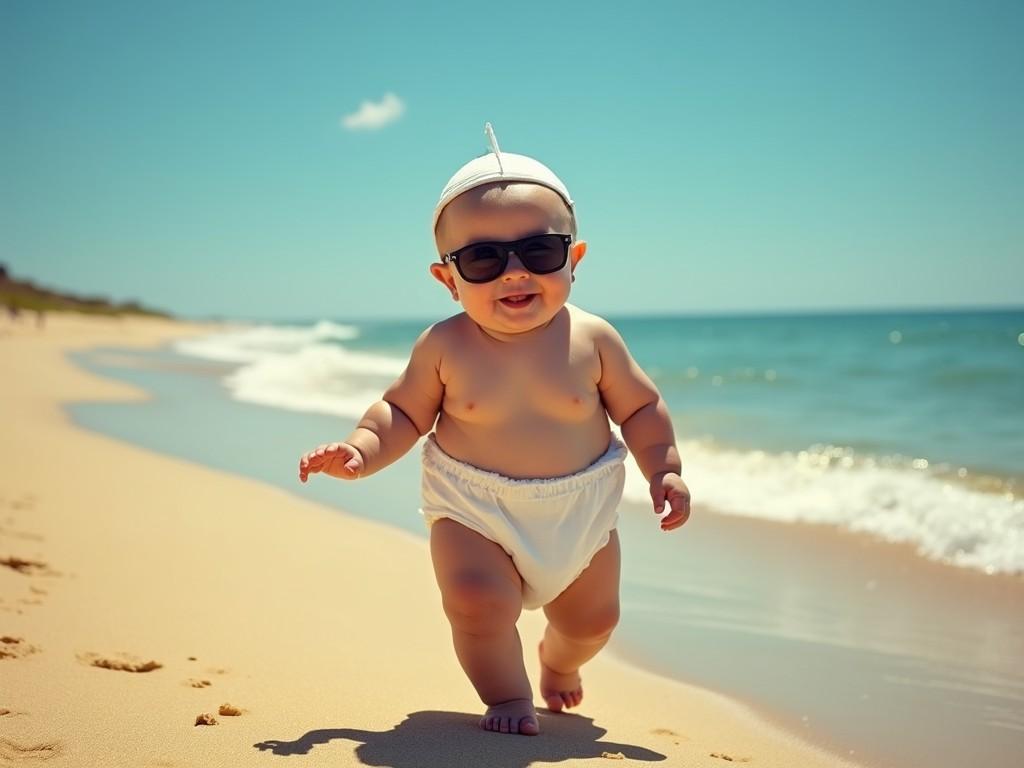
(337, 459)
(658, 495)
(314, 461)
(679, 502)
(306, 467)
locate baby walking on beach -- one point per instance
(522, 475)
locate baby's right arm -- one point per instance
(393, 424)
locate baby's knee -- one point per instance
(595, 624)
(479, 602)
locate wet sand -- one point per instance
(857, 643)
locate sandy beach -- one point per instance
(140, 592)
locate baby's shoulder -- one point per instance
(445, 336)
(451, 330)
(590, 327)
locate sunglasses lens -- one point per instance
(544, 254)
(481, 263)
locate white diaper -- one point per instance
(551, 528)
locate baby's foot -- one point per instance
(515, 716)
(559, 689)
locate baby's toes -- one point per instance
(554, 702)
(528, 725)
(516, 716)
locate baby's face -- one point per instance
(517, 301)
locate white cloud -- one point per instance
(373, 115)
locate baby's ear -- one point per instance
(443, 275)
(577, 252)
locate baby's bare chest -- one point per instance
(493, 386)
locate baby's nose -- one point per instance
(514, 269)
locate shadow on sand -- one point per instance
(454, 740)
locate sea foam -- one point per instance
(249, 343)
(299, 368)
(895, 499)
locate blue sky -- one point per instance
(724, 156)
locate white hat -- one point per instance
(499, 166)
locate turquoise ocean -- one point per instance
(902, 430)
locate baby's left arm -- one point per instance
(633, 402)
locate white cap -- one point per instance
(499, 166)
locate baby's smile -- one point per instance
(517, 300)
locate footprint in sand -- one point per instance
(669, 732)
(730, 758)
(27, 501)
(22, 565)
(196, 682)
(126, 662)
(227, 710)
(15, 648)
(13, 752)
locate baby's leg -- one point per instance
(482, 595)
(580, 621)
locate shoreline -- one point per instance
(204, 568)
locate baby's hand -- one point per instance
(668, 486)
(336, 459)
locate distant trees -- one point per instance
(24, 294)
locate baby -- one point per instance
(522, 475)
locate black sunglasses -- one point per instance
(483, 262)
